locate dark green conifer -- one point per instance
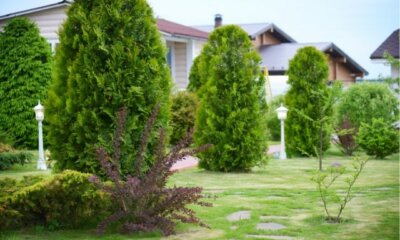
(232, 103)
(25, 72)
(307, 103)
(110, 56)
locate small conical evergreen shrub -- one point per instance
(306, 100)
(25, 72)
(232, 103)
(110, 55)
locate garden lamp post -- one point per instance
(282, 114)
(39, 113)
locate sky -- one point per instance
(357, 27)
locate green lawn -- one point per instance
(281, 193)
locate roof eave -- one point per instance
(34, 10)
(348, 58)
(275, 28)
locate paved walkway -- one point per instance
(189, 161)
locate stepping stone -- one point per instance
(270, 226)
(233, 227)
(237, 216)
(335, 164)
(270, 237)
(273, 217)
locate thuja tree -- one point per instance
(110, 54)
(307, 126)
(232, 103)
(25, 72)
(195, 75)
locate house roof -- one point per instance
(176, 29)
(276, 57)
(255, 29)
(390, 45)
(37, 9)
(165, 26)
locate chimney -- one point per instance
(217, 20)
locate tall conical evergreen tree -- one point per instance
(232, 103)
(307, 103)
(110, 56)
(25, 72)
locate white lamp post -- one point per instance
(39, 113)
(282, 114)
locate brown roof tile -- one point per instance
(179, 29)
(391, 45)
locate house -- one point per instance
(277, 48)
(390, 46)
(184, 43)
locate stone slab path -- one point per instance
(270, 226)
(237, 216)
(190, 162)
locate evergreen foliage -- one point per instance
(378, 138)
(183, 114)
(25, 72)
(110, 55)
(232, 103)
(195, 75)
(363, 102)
(307, 101)
(64, 200)
(360, 104)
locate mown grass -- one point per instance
(18, 171)
(282, 192)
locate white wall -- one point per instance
(278, 85)
(394, 71)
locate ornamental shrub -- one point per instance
(183, 114)
(65, 200)
(143, 202)
(110, 55)
(8, 159)
(378, 138)
(233, 107)
(363, 102)
(308, 103)
(8, 186)
(25, 72)
(360, 104)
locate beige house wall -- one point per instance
(48, 22)
(180, 65)
(198, 47)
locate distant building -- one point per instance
(184, 43)
(390, 46)
(277, 48)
